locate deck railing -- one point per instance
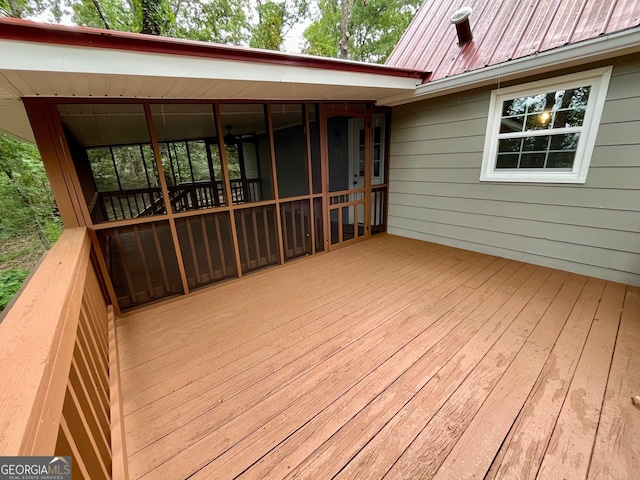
(54, 364)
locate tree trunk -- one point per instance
(15, 11)
(346, 6)
(101, 15)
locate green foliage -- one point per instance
(275, 19)
(28, 8)
(26, 200)
(374, 28)
(155, 17)
(10, 282)
(109, 14)
(223, 21)
(323, 35)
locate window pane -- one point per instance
(576, 98)
(532, 160)
(560, 159)
(565, 142)
(507, 161)
(515, 106)
(536, 103)
(111, 149)
(538, 143)
(290, 144)
(539, 121)
(248, 150)
(379, 124)
(512, 124)
(568, 118)
(509, 145)
(188, 141)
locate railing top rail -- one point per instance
(37, 338)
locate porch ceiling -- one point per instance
(48, 70)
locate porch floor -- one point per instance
(391, 358)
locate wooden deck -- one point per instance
(391, 358)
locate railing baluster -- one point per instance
(194, 254)
(163, 267)
(220, 245)
(267, 235)
(207, 250)
(285, 231)
(67, 447)
(94, 371)
(244, 238)
(81, 434)
(294, 228)
(256, 237)
(125, 265)
(92, 417)
(143, 257)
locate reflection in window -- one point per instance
(248, 151)
(525, 140)
(111, 150)
(290, 145)
(188, 142)
(379, 149)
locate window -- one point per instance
(544, 131)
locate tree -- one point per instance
(223, 21)
(365, 30)
(29, 8)
(275, 20)
(25, 195)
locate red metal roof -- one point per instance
(24, 30)
(505, 30)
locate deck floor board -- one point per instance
(390, 358)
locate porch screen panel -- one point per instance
(296, 228)
(257, 231)
(142, 262)
(111, 150)
(189, 146)
(313, 111)
(248, 150)
(207, 248)
(290, 145)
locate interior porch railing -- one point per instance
(56, 397)
(141, 202)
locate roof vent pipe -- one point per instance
(461, 20)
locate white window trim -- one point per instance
(598, 79)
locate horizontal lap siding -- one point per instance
(593, 229)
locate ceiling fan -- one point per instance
(230, 140)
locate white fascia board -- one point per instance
(39, 57)
(601, 48)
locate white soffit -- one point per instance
(34, 69)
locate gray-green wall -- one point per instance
(592, 229)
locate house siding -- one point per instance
(593, 229)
